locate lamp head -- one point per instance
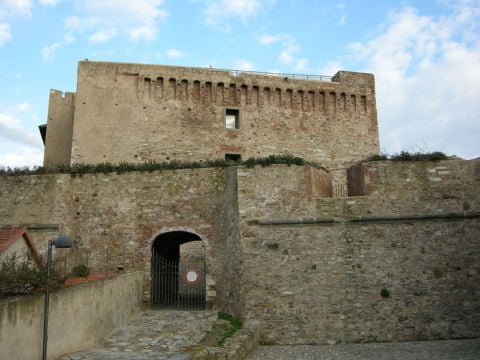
(63, 241)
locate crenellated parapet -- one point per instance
(60, 97)
(259, 91)
(138, 112)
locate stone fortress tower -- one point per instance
(135, 113)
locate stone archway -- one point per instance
(178, 271)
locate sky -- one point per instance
(425, 56)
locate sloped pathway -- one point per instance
(154, 334)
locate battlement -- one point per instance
(68, 98)
(309, 93)
(138, 112)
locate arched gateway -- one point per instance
(178, 271)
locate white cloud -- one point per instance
(11, 8)
(331, 68)
(49, 2)
(243, 65)
(174, 53)
(5, 34)
(287, 55)
(22, 106)
(68, 38)
(218, 12)
(12, 130)
(23, 156)
(48, 52)
(106, 19)
(427, 72)
(72, 23)
(343, 14)
(300, 65)
(103, 35)
(19, 147)
(290, 50)
(269, 39)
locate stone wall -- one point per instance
(406, 188)
(401, 262)
(137, 112)
(319, 284)
(315, 270)
(79, 317)
(120, 215)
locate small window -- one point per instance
(232, 118)
(233, 157)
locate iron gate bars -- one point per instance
(178, 283)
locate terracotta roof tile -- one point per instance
(8, 235)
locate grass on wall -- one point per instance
(222, 330)
(406, 156)
(154, 166)
(150, 166)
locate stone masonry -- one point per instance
(400, 261)
(135, 113)
(359, 251)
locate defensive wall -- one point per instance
(123, 214)
(124, 112)
(400, 260)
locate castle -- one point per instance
(359, 251)
(137, 113)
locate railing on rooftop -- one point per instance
(284, 75)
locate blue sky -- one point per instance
(425, 56)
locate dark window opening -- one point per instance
(232, 118)
(233, 157)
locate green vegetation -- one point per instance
(150, 166)
(406, 156)
(81, 270)
(20, 275)
(234, 324)
(222, 330)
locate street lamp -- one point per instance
(62, 241)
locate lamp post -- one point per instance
(62, 241)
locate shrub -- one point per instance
(406, 156)
(21, 275)
(81, 270)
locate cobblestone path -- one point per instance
(468, 349)
(154, 334)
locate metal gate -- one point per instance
(178, 283)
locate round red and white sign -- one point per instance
(192, 276)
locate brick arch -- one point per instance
(170, 284)
(172, 229)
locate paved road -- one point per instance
(423, 350)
